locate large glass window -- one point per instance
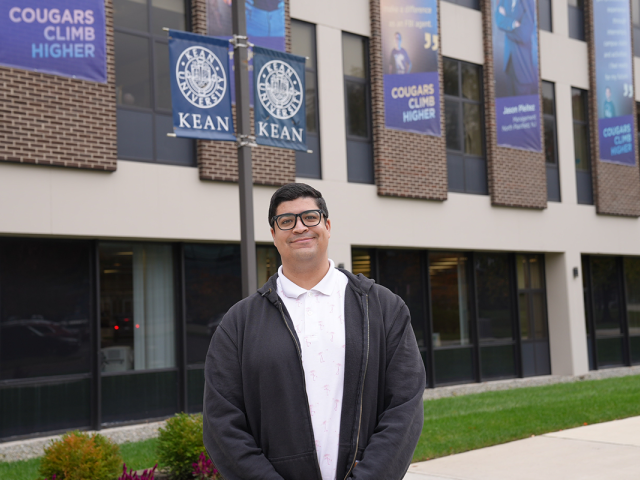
(635, 20)
(143, 93)
(475, 4)
(632, 290)
(137, 324)
(550, 141)
(582, 150)
(544, 15)
(532, 313)
(466, 162)
(355, 62)
(451, 337)
(303, 43)
(46, 311)
(576, 19)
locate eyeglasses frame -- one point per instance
(274, 220)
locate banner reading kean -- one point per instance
(614, 81)
(200, 96)
(279, 82)
(410, 45)
(61, 37)
(516, 70)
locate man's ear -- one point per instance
(327, 224)
(273, 234)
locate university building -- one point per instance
(120, 246)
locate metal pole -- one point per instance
(245, 174)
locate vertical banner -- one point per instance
(61, 37)
(200, 97)
(516, 70)
(614, 81)
(410, 45)
(279, 83)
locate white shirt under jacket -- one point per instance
(318, 317)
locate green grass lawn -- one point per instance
(458, 424)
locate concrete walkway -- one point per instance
(608, 450)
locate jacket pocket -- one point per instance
(297, 467)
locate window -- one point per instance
(550, 141)
(466, 162)
(576, 19)
(355, 62)
(532, 314)
(303, 43)
(475, 4)
(632, 291)
(635, 18)
(143, 92)
(581, 146)
(544, 15)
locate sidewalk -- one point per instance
(608, 450)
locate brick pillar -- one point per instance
(219, 160)
(406, 164)
(517, 178)
(616, 188)
(59, 121)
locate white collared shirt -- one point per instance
(318, 317)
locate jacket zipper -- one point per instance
(304, 381)
(355, 454)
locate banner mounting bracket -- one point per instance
(246, 141)
(236, 41)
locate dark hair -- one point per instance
(292, 191)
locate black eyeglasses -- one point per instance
(287, 221)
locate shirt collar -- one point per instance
(325, 286)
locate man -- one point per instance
(399, 62)
(608, 109)
(318, 374)
(516, 19)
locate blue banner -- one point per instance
(61, 37)
(200, 96)
(516, 71)
(279, 87)
(410, 45)
(614, 81)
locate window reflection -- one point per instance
(494, 304)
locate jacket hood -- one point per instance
(359, 283)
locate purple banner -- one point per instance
(516, 71)
(61, 37)
(614, 81)
(518, 122)
(410, 45)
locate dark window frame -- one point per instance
(552, 168)
(473, 4)
(460, 100)
(584, 186)
(153, 39)
(576, 19)
(549, 3)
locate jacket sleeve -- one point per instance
(390, 448)
(226, 435)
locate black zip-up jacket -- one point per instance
(257, 424)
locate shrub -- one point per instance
(180, 444)
(79, 456)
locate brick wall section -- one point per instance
(616, 188)
(516, 178)
(59, 121)
(406, 164)
(219, 160)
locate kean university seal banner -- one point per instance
(200, 95)
(280, 118)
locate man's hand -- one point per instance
(502, 11)
(516, 24)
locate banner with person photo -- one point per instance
(200, 98)
(516, 72)
(614, 81)
(410, 45)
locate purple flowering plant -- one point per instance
(203, 469)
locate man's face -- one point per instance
(398, 41)
(301, 244)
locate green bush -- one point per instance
(79, 456)
(180, 444)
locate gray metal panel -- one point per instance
(360, 162)
(135, 134)
(455, 172)
(553, 183)
(475, 175)
(585, 187)
(173, 150)
(308, 164)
